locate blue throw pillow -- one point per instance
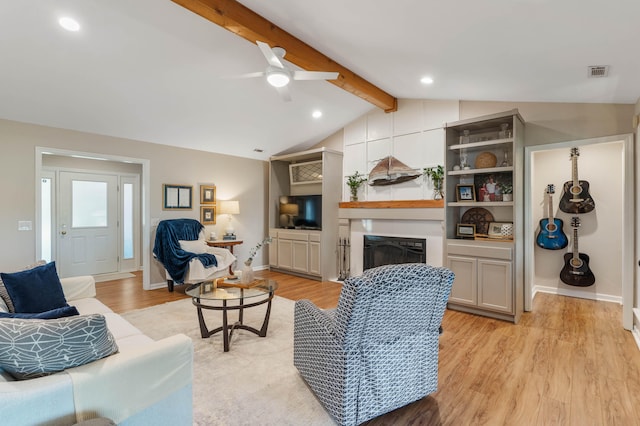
(35, 290)
(67, 311)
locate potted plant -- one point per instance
(354, 181)
(507, 191)
(436, 175)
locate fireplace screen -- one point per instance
(381, 250)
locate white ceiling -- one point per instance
(151, 70)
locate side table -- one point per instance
(228, 244)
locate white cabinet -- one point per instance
(295, 251)
(484, 181)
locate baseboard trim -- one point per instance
(577, 293)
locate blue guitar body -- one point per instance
(551, 235)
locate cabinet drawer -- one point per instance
(297, 236)
(477, 250)
(314, 237)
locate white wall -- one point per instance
(235, 178)
(600, 230)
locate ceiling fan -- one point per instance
(279, 76)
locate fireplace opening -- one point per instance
(380, 250)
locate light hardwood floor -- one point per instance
(568, 362)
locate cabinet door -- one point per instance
(285, 253)
(273, 252)
(465, 287)
(314, 258)
(495, 285)
(300, 256)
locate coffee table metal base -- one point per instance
(227, 329)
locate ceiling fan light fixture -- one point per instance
(278, 77)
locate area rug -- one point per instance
(99, 278)
(255, 383)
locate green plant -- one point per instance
(354, 181)
(506, 188)
(436, 175)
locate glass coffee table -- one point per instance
(206, 295)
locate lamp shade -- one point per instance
(229, 207)
(290, 209)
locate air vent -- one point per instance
(597, 71)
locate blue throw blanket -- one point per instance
(167, 248)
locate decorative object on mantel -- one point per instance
(390, 171)
(355, 181)
(247, 271)
(436, 175)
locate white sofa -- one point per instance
(146, 382)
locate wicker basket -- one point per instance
(485, 160)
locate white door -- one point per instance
(87, 231)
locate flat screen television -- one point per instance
(309, 211)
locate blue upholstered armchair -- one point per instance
(378, 350)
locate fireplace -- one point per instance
(381, 250)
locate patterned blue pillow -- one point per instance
(33, 347)
(67, 311)
(35, 290)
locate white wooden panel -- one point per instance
(464, 288)
(300, 256)
(285, 253)
(314, 258)
(379, 193)
(376, 151)
(438, 112)
(379, 125)
(356, 131)
(411, 150)
(355, 159)
(495, 289)
(408, 118)
(434, 147)
(273, 251)
(411, 190)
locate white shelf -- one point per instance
(481, 144)
(478, 171)
(480, 203)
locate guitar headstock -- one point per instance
(575, 221)
(575, 152)
(551, 189)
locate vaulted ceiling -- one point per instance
(152, 70)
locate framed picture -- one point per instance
(465, 192)
(466, 230)
(207, 194)
(501, 230)
(491, 187)
(208, 215)
(176, 197)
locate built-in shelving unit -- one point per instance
(488, 267)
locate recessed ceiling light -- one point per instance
(426, 80)
(69, 24)
(316, 114)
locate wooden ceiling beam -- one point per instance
(246, 23)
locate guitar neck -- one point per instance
(574, 171)
(550, 208)
(576, 252)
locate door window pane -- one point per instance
(89, 204)
(127, 220)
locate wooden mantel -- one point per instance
(397, 204)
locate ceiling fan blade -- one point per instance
(315, 75)
(269, 55)
(284, 92)
(249, 75)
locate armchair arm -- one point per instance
(322, 360)
(78, 287)
(126, 383)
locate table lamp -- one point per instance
(290, 210)
(229, 208)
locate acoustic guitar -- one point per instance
(551, 236)
(576, 198)
(576, 270)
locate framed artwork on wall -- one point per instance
(207, 194)
(208, 215)
(176, 197)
